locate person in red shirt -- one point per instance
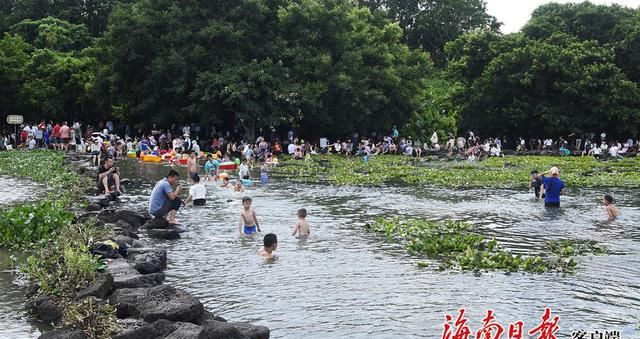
(56, 136)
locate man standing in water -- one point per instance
(553, 187)
(192, 164)
(164, 200)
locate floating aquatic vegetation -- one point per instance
(508, 171)
(457, 246)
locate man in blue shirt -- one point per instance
(164, 200)
(553, 187)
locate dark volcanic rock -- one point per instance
(63, 334)
(93, 207)
(100, 287)
(164, 327)
(124, 225)
(167, 234)
(108, 216)
(44, 309)
(137, 280)
(186, 331)
(124, 239)
(150, 262)
(157, 223)
(160, 302)
(218, 329)
(135, 329)
(132, 218)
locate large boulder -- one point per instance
(157, 223)
(164, 327)
(136, 280)
(63, 334)
(92, 207)
(221, 330)
(134, 219)
(124, 239)
(100, 287)
(108, 216)
(125, 276)
(135, 329)
(44, 309)
(186, 331)
(124, 225)
(150, 262)
(214, 329)
(160, 302)
(166, 234)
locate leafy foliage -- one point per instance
(456, 245)
(28, 224)
(509, 171)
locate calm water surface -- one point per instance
(344, 282)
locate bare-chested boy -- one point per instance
(613, 212)
(301, 228)
(248, 220)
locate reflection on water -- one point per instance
(344, 282)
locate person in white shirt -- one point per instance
(195, 147)
(613, 151)
(32, 142)
(197, 192)
(291, 148)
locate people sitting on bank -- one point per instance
(553, 187)
(164, 200)
(197, 192)
(108, 178)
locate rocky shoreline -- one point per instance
(133, 282)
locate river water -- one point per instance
(13, 321)
(345, 282)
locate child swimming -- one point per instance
(225, 183)
(613, 212)
(238, 186)
(248, 220)
(302, 226)
(270, 242)
(264, 174)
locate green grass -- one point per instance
(504, 172)
(457, 246)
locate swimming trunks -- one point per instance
(250, 229)
(199, 202)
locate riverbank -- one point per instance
(88, 297)
(498, 172)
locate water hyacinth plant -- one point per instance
(457, 246)
(502, 172)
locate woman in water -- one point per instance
(613, 212)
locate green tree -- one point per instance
(430, 24)
(53, 33)
(537, 88)
(14, 56)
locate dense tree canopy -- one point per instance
(328, 67)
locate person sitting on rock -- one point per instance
(164, 200)
(108, 178)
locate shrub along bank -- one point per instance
(502, 172)
(59, 263)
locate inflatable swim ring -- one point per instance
(131, 154)
(223, 175)
(152, 158)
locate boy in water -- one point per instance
(225, 183)
(612, 211)
(270, 244)
(238, 187)
(248, 220)
(536, 184)
(302, 226)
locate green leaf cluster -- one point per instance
(457, 246)
(500, 172)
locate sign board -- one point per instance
(14, 119)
